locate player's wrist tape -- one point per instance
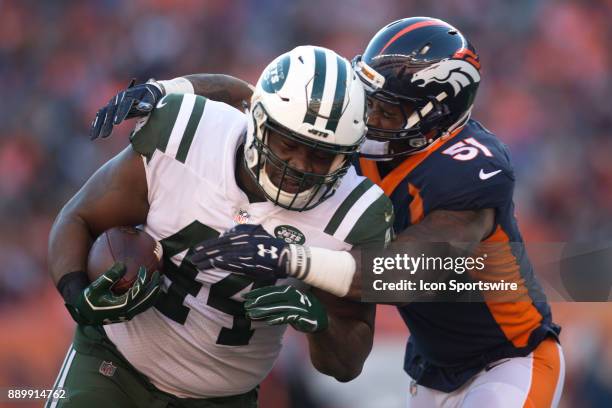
(328, 270)
(178, 85)
(71, 285)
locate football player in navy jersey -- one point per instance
(450, 180)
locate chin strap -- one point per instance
(376, 148)
(284, 197)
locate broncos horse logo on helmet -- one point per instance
(458, 73)
(427, 69)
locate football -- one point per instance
(129, 245)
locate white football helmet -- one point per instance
(312, 96)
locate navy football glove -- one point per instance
(135, 101)
(246, 249)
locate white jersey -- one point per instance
(196, 342)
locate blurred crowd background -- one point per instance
(547, 78)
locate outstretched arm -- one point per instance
(461, 229)
(337, 272)
(222, 88)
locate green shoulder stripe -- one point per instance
(155, 133)
(373, 229)
(192, 125)
(346, 205)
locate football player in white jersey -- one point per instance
(195, 169)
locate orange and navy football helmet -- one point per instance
(429, 69)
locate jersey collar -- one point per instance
(390, 182)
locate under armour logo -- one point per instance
(263, 251)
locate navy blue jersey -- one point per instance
(451, 342)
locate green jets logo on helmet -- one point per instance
(275, 75)
(289, 234)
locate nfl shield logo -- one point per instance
(107, 368)
(242, 217)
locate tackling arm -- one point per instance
(140, 100)
(462, 229)
(336, 272)
(222, 88)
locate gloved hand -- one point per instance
(250, 250)
(246, 249)
(97, 304)
(286, 305)
(134, 101)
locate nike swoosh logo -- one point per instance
(484, 176)
(161, 103)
